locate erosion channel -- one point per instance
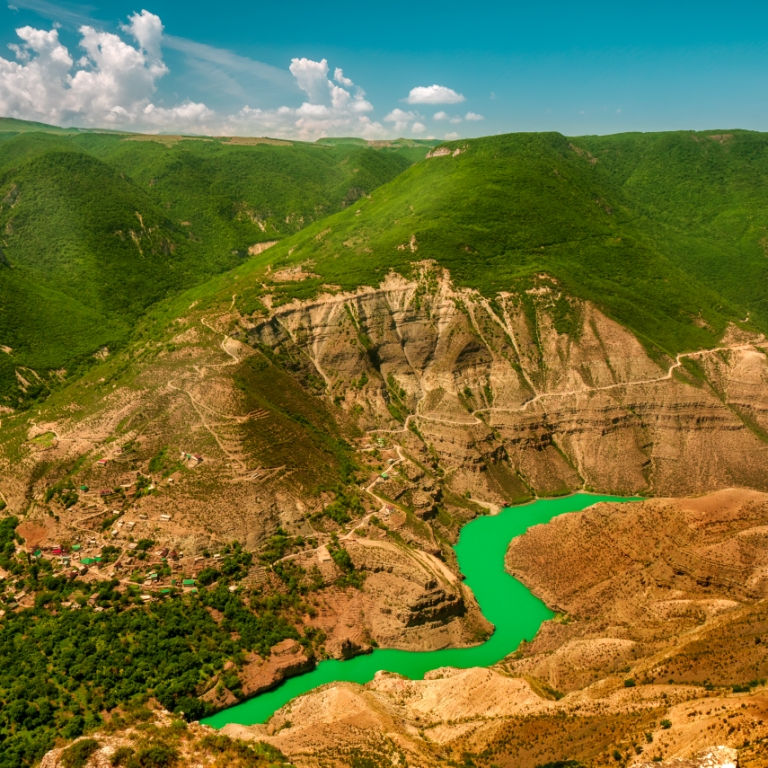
(515, 612)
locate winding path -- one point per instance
(559, 393)
(200, 407)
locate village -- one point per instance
(108, 539)
(108, 533)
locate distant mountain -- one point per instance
(94, 227)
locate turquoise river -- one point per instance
(515, 612)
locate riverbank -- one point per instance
(516, 613)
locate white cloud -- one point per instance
(338, 76)
(401, 120)
(451, 135)
(433, 94)
(147, 30)
(456, 119)
(112, 81)
(312, 77)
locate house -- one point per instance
(188, 582)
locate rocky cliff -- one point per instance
(530, 393)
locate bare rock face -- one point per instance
(287, 658)
(410, 600)
(633, 577)
(531, 392)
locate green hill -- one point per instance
(95, 227)
(665, 232)
(661, 231)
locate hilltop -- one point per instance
(660, 231)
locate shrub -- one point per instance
(77, 755)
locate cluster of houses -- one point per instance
(160, 571)
(155, 566)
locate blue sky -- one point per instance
(406, 68)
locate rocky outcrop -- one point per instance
(285, 660)
(531, 392)
(435, 605)
(410, 600)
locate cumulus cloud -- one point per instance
(434, 94)
(111, 83)
(473, 116)
(451, 135)
(312, 78)
(338, 76)
(403, 121)
(112, 80)
(455, 119)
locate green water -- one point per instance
(505, 602)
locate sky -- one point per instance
(306, 70)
